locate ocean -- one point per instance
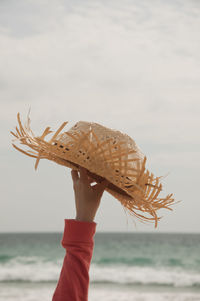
(125, 266)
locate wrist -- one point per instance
(84, 219)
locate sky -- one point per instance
(133, 66)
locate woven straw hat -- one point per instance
(105, 153)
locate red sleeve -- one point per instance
(78, 241)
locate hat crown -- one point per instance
(103, 133)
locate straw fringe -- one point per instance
(135, 188)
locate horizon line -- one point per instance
(136, 232)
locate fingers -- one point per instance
(104, 184)
(90, 180)
(101, 186)
(83, 175)
(74, 174)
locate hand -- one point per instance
(87, 197)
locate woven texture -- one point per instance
(105, 153)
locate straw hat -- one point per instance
(105, 153)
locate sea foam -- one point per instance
(39, 269)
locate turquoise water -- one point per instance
(134, 262)
(169, 251)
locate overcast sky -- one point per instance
(130, 65)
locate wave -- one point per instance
(142, 261)
(136, 261)
(39, 269)
(146, 276)
(133, 261)
(5, 258)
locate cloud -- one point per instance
(132, 66)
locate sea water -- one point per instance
(125, 266)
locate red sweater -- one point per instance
(78, 241)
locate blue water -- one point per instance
(169, 259)
(124, 265)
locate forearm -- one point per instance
(78, 241)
